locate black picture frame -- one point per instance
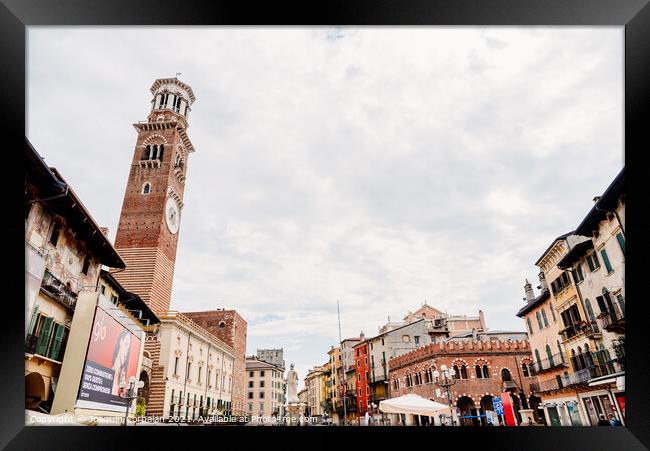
(634, 15)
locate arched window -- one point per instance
(589, 360)
(559, 349)
(486, 372)
(456, 372)
(530, 326)
(539, 361)
(146, 188)
(590, 311)
(479, 373)
(463, 372)
(524, 369)
(177, 162)
(505, 374)
(539, 320)
(553, 314)
(146, 153)
(549, 355)
(544, 317)
(574, 360)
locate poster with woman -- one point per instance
(112, 358)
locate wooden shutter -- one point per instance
(58, 339)
(621, 242)
(601, 304)
(44, 336)
(32, 321)
(606, 260)
(590, 264)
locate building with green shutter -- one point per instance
(64, 249)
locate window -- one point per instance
(113, 299)
(250, 395)
(359, 377)
(608, 266)
(187, 374)
(56, 230)
(261, 373)
(539, 360)
(463, 372)
(261, 407)
(261, 395)
(524, 370)
(251, 384)
(549, 355)
(621, 242)
(553, 314)
(456, 372)
(261, 384)
(102, 289)
(544, 317)
(592, 262)
(250, 374)
(176, 366)
(539, 320)
(416, 339)
(486, 372)
(530, 325)
(199, 375)
(505, 375)
(250, 407)
(479, 373)
(365, 360)
(85, 266)
(146, 188)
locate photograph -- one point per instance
(325, 226)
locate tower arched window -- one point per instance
(463, 372)
(486, 372)
(146, 188)
(524, 369)
(146, 152)
(505, 375)
(479, 373)
(456, 372)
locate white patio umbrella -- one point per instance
(413, 405)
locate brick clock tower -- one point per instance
(147, 234)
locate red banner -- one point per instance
(508, 410)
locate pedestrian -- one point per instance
(614, 421)
(603, 421)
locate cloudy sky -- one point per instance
(380, 167)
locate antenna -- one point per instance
(345, 414)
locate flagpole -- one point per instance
(343, 383)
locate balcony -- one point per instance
(57, 290)
(30, 344)
(52, 353)
(576, 330)
(557, 360)
(614, 318)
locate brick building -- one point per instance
(363, 377)
(229, 326)
(485, 368)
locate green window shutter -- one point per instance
(621, 242)
(32, 321)
(58, 339)
(44, 336)
(582, 277)
(606, 260)
(590, 264)
(596, 261)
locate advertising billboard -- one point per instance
(112, 357)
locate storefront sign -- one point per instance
(508, 410)
(112, 357)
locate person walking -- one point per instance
(614, 421)
(603, 421)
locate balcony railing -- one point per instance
(30, 343)
(614, 318)
(578, 329)
(58, 290)
(555, 361)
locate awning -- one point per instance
(616, 378)
(412, 404)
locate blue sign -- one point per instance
(498, 405)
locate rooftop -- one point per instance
(606, 203)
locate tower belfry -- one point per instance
(147, 234)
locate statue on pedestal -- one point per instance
(292, 386)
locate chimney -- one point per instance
(361, 335)
(482, 320)
(530, 295)
(542, 281)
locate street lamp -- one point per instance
(446, 381)
(131, 393)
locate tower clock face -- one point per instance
(172, 215)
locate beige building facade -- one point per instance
(265, 391)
